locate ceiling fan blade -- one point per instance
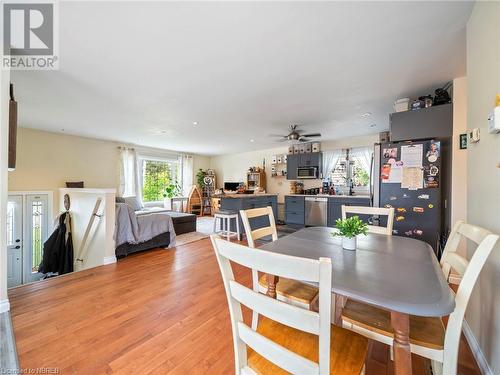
(311, 135)
(277, 135)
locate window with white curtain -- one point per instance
(157, 175)
(360, 161)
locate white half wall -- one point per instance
(483, 172)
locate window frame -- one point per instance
(357, 189)
(142, 158)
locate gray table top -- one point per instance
(395, 273)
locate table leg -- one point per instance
(401, 345)
(271, 285)
(340, 302)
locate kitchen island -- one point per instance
(237, 202)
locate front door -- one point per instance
(14, 240)
(37, 226)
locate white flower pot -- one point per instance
(349, 243)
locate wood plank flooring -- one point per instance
(157, 312)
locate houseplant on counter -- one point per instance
(349, 229)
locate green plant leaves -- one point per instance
(350, 227)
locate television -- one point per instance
(231, 186)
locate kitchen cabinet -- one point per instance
(292, 163)
(295, 210)
(335, 207)
(432, 122)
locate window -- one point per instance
(36, 234)
(157, 176)
(357, 169)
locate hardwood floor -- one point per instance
(157, 312)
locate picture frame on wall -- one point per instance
(463, 141)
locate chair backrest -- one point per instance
(380, 211)
(470, 271)
(450, 259)
(318, 323)
(253, 235)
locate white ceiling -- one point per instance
(142, 73)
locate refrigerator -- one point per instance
(408, 177)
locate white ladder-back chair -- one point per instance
(428, 336)
(261, 351)
(380, 211)
(290, 291)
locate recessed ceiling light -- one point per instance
(366, 114)
(373, 125)
(195, 122)
(252, 140)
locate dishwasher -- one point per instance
(316, 211)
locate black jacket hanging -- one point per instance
(58, 249)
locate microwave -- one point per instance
(307, 172)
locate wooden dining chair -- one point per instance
(428, 336)
(380, 211)
(290, 291)
(288, 339)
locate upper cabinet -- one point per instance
(425, 123)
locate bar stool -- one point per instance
(225, 218)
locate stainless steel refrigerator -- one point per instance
(408, 177)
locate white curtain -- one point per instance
(187, 174)
(130, 181)
(330, 160)
(364, 155)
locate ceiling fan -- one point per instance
(295, 135)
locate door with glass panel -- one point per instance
(37, 228)
(14, 240)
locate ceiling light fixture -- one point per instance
(195, 122)
(252, 140)
(366, 114)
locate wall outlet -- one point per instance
(494, 121)
(474, 135)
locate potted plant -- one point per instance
(200, 176)
(171, 190)
(349, 229)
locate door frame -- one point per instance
(50, 222)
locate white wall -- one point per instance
(4, 136)
(483, 172)
(459, 157)
(233, 167)
(46, 160)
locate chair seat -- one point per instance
(424, 332)
(293, 290)
(226, 213)
(347, 349)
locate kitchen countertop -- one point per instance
(242, 196)
(327, 196)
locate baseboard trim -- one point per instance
(4, 306)
(476, 350)
(110, 260)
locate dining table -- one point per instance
(395, 273)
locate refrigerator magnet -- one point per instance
(433, 170)
(433, 152)
(400, 218)
(430, 205)
(393, 198)
(385, 172)
(409, 232)
(388, 206)
(423, 196)
(418, 209)
(401, 209)
(418, 232)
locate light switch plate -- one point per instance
(474, 135)
(494, 121)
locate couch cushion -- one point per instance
(133, 202)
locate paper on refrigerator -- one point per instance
(412, 178)
(411, 155)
